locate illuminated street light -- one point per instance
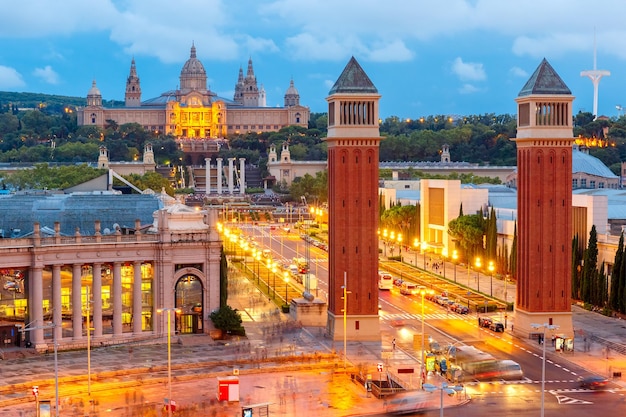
(423, 293)
(491, 267)
(416, 246)
(385, 241)
(543, 359)
(455, 257)
(274, 279)
(450, 390)
(286, 278)
(399, 239)
(478, 265)
(56, 359)
(169, 356)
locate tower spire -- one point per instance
(595, 75)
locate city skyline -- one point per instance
(465, 57)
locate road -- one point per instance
(401, 319)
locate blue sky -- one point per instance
(426, 57)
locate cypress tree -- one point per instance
(618, 265)
(575, 269)
(513, 262)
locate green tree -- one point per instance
(589, 276)
(468, 232)
(616, 283)
(228, 320)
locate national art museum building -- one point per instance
(194, 111)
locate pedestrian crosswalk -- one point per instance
(418, 317)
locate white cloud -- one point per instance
(395, 51)
(47, 74)
(468, 71)
(518, 72)
(307, 47)
(10, 78)
(468, 89)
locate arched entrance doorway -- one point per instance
(189, 299)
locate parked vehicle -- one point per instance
(496, 326)
(484, 322)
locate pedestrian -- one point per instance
(393, 344)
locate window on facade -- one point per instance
(574, 183)
(592, 184)
(600, 185)
(583, 183)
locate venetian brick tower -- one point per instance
(544, 203)
(353, 140)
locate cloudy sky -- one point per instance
(426, 57)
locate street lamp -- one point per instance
(286, 278)
(424, 247)
(274, 279)
(399, 239)
(52, 326)
(385, 241)
(450, 390)
(169, 356)
(491, 267)
(423, 293)
(543, 359)
(478, 265)
(416, 246)
(257, 256)
(455, 256)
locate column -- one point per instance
(97, 300)
(36, 308)
(137, 306)
(230, 175)
(207, 162)
(77, 305)
(57, 316)
(117, 299)
(242, 176)
(219, 175)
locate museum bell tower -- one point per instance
(544, 203)
(353, 141)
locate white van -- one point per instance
(385, 281)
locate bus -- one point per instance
(385, 281)
(492, 370)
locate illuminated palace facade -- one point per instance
(193, 110)
(82, 272)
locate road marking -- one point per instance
(562, 399)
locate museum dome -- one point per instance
(193, 75)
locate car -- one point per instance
(484, 322)
(496, 326)
(593, 382)
(461, 309)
